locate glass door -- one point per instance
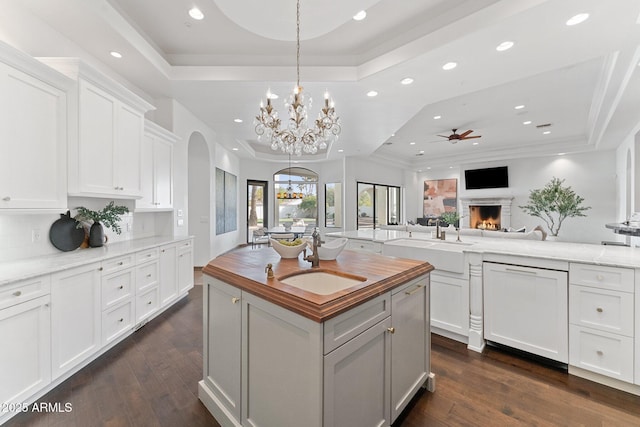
(257, 206)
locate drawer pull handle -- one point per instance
(599, 310)
(121, 262)
(149, 303)
(599, 353)
(148, 275)
(121, 287)
(17, 293)
(391, 330)
(413, 291)
(235, 300)
(162, 251)
(6, 199)
(121, 320)
(517, 270)
(100, 269)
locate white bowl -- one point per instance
(288, 251)
(330, 250)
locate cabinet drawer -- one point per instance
(24, 290)
(117, 287)
(616, 278)
(601, 352)
(601, 309)
(117, 264)
(184, 246)
(147, 304)
(146, 275)
(148, 255)
(117, 321)
(345, 326)
(364, 246)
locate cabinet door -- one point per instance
(25, 355)
(223, 312)
(168, 274)
(410, 343)
(97, 139)
(147, 186)
(32, 142)
(185, 267)
(163, 174)
(357, 380)
(450, 304)
(127, 150)
(75, 316)
(526, 308)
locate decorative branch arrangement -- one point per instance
(109, 216)
(554, 203)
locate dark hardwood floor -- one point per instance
(150, 379)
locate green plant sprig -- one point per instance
(109, 216)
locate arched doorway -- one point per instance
(199, 198)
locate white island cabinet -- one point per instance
(265, 365)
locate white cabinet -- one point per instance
(157, 169)
(106, 127)
(364, 246)
(526, 308)
(168, 274)
(601, 316)
(147, 288)
(450, 304)
(75, 316)
(25, 329)
(117, 289)
(33, 133)
(360, 368)
(185, 266)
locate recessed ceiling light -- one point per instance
(196, 14)
(235, 148)
(428, 167)
(421, 151)
(546, 132)
(504, 46)
(437, 117)
(449, 66)
(372, 93)
(577, 19)
(341, 151)
(412, 143)
(116, 54)
(519, 107)
(360, 15)
(561, 154)
(406, 81)
(419, 170)
(237, 120)
(476, 143)
(393, 134)
(526, 122)
(450, 167)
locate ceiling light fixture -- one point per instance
(360, 15)
(412, 143)
(238, 120)
(577, 19)
(196, 14)
(546, 132)
(297, 137)
(475, 143)
(504, 46)
(235, 148)
(519, 107)
(526, 122)
(372, 93)
(289, 193)
(116, 54)
(437, 117)
(449, 66)
(406, 81)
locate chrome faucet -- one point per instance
(437, 228)
(314, 258)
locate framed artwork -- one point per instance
(226, 202)
(440, 196)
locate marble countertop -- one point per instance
(617, 256)
(22, 269)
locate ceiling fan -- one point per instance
(455, 137)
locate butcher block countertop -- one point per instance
(246, 270)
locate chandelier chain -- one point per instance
(298, 44)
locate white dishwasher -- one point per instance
(527, 308)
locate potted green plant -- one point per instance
(109, 217)
(554, 203)
(450, 218)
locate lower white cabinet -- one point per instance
(75, 316)
(526, 308)
(168, 277)
(265, 365)
(25, 356)
(185, 266)
(450, 304)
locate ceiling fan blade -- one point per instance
(471, 137)
(462, 135)
(444, 136)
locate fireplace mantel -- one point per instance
(504, 202)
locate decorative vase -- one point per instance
(96, 235)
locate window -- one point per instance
(302, 211)
(377, 205)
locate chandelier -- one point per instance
(289, 193)
(296, 137)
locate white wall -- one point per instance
(591, 175)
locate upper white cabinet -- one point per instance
(106, 129)
(33, 133)
(157, 169)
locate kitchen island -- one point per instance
(353, 353)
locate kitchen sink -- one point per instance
(321, 282)
(443, 255)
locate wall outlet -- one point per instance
(180, 222)
(35, 235)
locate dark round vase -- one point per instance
(96, 235)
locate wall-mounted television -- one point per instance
(476, 179)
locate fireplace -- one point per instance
(487, 213)
(485, 217)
